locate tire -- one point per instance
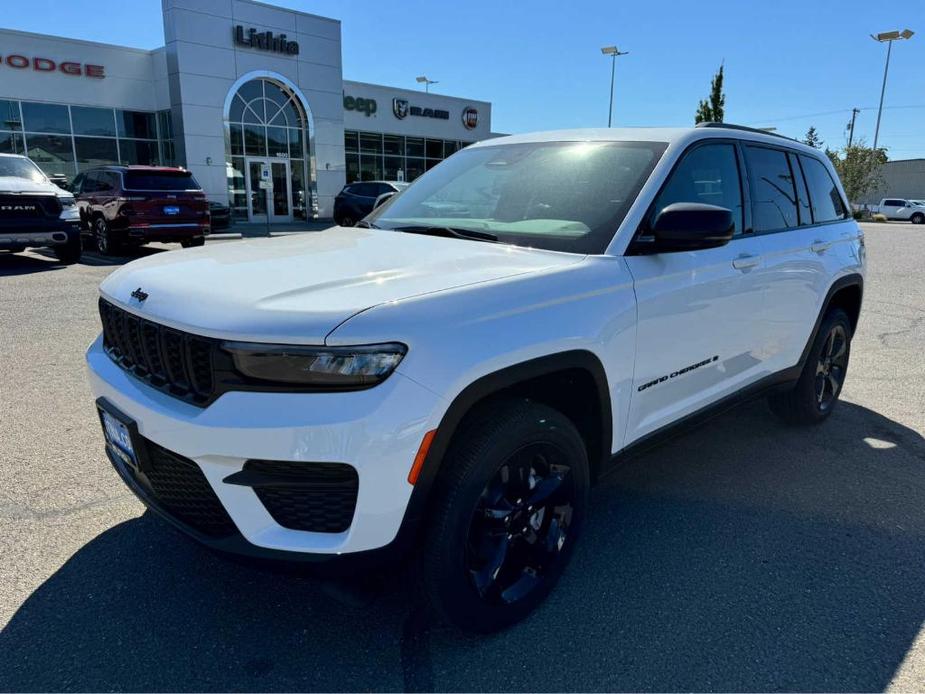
(103, 237)
(347, 221)
(815, 394)
(491, 557)
(70, 252)
(917, 218)
(192, 243)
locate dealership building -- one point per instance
(249, 97)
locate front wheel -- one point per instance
(816, 393)
(918, 218)
(509, 504)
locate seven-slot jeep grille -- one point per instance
(170, 360)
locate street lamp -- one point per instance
(426, 82)
(887, 37)
(613, 52)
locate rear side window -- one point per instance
(894, 203)
(774, 204)
(160, 180)
(826, 200)
(708, 174)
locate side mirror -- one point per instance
(382, 199)
(692, 226)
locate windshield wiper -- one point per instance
(450, 233)
(363, 224)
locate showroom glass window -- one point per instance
(64, 139)
(374, 156)
(774, 200)
(708, 174)
(827, 202)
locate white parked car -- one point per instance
(898, 208)
(452, 385)
(34, 212)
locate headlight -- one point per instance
(323, 367)
(67, 200)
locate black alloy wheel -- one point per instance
(102, 236)
(507, 509)
(831, 367)
(813, 397)
(521, 523)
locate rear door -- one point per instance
(165, 199)
(802, 254)
(697, 310)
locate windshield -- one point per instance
(21, 168)
(561, 196)
(160, 180)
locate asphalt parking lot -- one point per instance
(743, 556)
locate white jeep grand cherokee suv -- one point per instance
(452, 377)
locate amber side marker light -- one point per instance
(421, 456)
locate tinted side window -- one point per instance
(708, 174)
(104, 181)
(827, 202)
(799, 181)
(774, 204)
(894, 203)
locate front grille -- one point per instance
(175, 362)
(179, 487)
(29, 207)
(318, 497)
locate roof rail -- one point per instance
(733, 126)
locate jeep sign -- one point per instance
(358, 103)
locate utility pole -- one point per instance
(854, 114)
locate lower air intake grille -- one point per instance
(318, 497)
(179, 486)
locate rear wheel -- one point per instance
(347, 221)
(70, 252)
(190, 243)
(815, 395)
(508, 508)
(103, 237)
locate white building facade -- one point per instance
(249, 97)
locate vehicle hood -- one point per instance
(298, 288)
(14, 184)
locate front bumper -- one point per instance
(34, 237)
(377, 431)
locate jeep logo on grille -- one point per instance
(139, 294)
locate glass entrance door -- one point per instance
(269, 197)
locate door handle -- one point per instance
(820, 246)
(743, 262)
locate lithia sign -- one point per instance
(265, 41)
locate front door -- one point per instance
(697, 310)
(268, 192)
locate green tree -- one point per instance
(812, 138)
(860, 168)
(713, 110)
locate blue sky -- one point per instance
(789, 63)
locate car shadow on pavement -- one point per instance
(743, 556)
(43, 259)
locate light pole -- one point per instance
(613, 52)
(887, 37)
(426, 82)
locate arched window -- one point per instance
(266, 119)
